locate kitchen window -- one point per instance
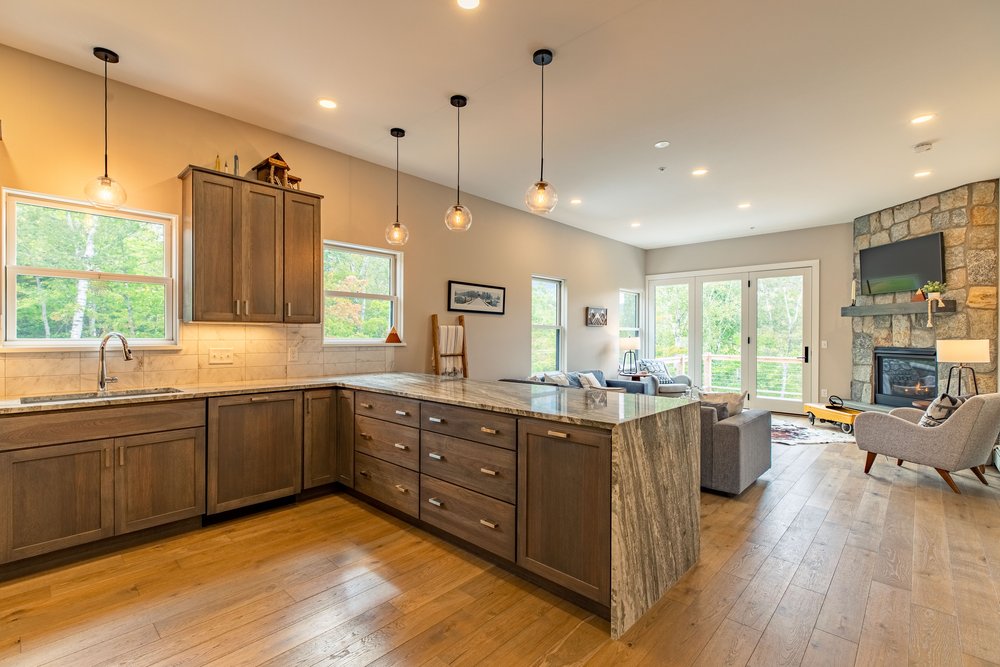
(547, 324)
(75, 272)
(628, 321)
(362, 293)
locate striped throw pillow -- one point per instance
(940, 409)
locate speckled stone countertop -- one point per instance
(573, 406)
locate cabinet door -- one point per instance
(55, 497)
(254, 449)
(262, 223)
(345, 437)
(319, 449)
(160, 478)
(564, 506)
(303, 259)
(215, 245)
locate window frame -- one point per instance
(10, 271)
(395, 298)
(559, 328)
(637, 329)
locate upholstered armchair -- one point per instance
(661, 382)
(965, 440)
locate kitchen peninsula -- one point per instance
(594, 492)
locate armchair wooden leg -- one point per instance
(946, 476)
(899, 462)
(869, 461)
(979, 473)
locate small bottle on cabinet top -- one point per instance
(218, 163)
(236, 164)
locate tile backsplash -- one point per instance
(259, 352)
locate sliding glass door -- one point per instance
(746, 332)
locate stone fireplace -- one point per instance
(968, 217)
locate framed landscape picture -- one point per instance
(473, 298)
(597, 317)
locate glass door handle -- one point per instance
(805, 357)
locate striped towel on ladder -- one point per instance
(450, 340)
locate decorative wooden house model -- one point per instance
(274, 170)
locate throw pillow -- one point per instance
(940, 409)
(657, 368)
(589, 380)
(733, 401)
(558, 378)
(721, 410)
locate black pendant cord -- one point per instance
(397, 180)
(458, 151)
(105, 119)
(541, 168)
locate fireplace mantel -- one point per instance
(906, 308)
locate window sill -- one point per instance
(356, 343)
(29, 348)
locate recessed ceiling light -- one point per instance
(468, 4)
(923, 118)
(745, 204)
(700, 171)
(635, 224)
(661, 144)
(575, 202)
(922, 174)
(327, 103)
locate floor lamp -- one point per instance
(630, 345)
(963, 353)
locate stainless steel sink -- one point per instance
(94, 395)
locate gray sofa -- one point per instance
(734, 451)
(630, 386)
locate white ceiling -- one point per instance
(801, 107)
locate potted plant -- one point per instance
(933, 289)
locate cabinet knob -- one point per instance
(435, 456)
(399, 445)
(401, 488)
(435, 502)
(402, 413)
(489, 524)
(367, 406)
(366, 436)
(558, 434)
(487, 429)
(364, 473)
(487, 471)
(435, 420)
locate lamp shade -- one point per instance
(963, 351)
(629, 344)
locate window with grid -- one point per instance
(628, 320)
(75, 272)
(362, 293)
(547, 325)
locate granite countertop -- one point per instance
(569, 405)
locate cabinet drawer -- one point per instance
(489, 470)
(483, 521)
(390, 408)
(389, 442)
(479, 425)
(394, 486)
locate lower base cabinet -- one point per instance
(388, 483)
(320, 443)
(483, 521)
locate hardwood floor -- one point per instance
(816, 564)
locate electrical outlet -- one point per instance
(823, 393)
(220, 355)
(293, 354)
(822, 344)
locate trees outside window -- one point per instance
(547, 324)
(362, 293)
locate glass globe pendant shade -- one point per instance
(397, 234)
(541, 197)
(105, 192)
(458, 218)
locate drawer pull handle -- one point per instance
(435, 420)
(258, 399)
(487, 429)
(435, 502)
(487, 471)
(399, 445)
(558, 434)
(366, 436)
(364, 473)
(435, 456)
(488, 524)
(401, 488)
(402, 413)
(367, 406)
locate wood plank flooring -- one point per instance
(816, 564)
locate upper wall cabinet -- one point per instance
(251, 252)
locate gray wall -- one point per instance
(831, 245)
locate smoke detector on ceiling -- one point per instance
(923, 147)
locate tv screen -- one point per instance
(903, 266)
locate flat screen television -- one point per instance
(903, 266)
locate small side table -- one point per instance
(634, 376)
(921, 404)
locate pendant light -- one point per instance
(458, 218)
(397, 233)
(104, 191)
(541, 197)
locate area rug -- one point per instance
(790, 434)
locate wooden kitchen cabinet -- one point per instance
(254, 449)
(345, 437)
(320, 446)
(564, 506)
(251, 251)
(160, 478)
(55, 497)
